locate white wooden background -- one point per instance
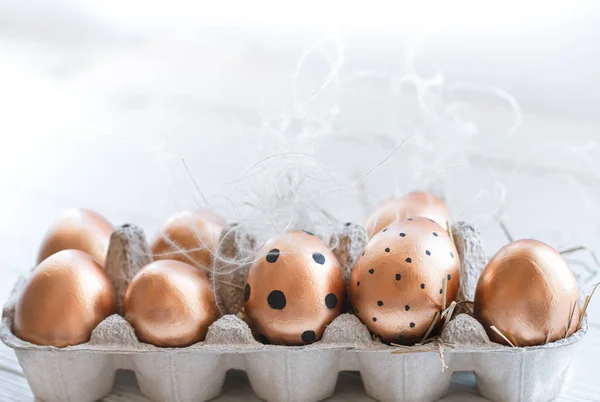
(99, 104)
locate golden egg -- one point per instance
(529, 293)
(412, 205)
(66, 297)
(189, 237)
(78, 229)
(294, 290)
(170, 304)
(396, 284)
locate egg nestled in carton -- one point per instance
(397, 285)
(527, 295)
(66, 297)
(170, 304)
(293, 290)
(68, 292)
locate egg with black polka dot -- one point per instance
(294, 290)
(396, 284)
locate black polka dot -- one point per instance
(407, 307)
(410, 219)
(358, 283)
(398, 276)
(435, 234)
(276, 300)
(331, 301)
(409, 260)
(246, 292)
(412, 324)
(319, 258)
(371, 271)
(263, 339)
(402, 234)
(308, 233)
(309, 336)
(422, 286)
(427, 252)
(273, 255)
(380, 303)
(374, 319)
(449, 277)
(441, 291)
(451, 254)
(363, 253)
(384, 230)
(387, 249)
(348, 224)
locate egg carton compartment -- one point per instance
(86, 372)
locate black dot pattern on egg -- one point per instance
(319, 258)
(402, 288)
(246, 292)
(277, 300)
(309, 336)
(331, 301)
(273, 256)
(293, 293)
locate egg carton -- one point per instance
(86, 372)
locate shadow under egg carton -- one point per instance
(86, 372)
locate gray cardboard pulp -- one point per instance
(86, 372)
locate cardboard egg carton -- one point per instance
(86, 372)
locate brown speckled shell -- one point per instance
(412, 205)
(294, 290)
(528, 292)
(395, 287)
